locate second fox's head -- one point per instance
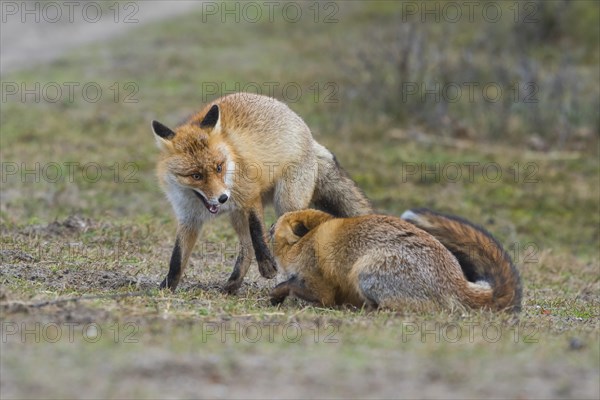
(195, 157)
(289, 230)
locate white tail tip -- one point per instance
(409, 215)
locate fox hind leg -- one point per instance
(295, 191)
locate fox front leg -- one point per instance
(266, 263)
(240, 223)
(186, 239)
(293, 287)
(250, 231)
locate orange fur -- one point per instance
(236, 153)
(377, 260)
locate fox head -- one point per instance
(195, 157)
(291, 227)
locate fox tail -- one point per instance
(335, 192)
(480, 255)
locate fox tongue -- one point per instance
(213, 208)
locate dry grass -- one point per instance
(106, 243)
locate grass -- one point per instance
(110, 235)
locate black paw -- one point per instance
(232, 286)
(276, 300)
(267, 269)
(168, 284)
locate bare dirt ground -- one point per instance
(156, 344)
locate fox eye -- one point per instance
(219, 168)
(197, 177)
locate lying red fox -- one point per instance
(383, 261)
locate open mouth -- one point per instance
(212, 208)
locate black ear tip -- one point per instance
(211, 118)
(299, 230)
(162, 130)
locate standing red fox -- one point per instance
(235, 153)
(383, 261)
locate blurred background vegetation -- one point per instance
(386, 85)
(531, 74)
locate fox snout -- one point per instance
(212, 204)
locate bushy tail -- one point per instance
(480, 255)
(335, 192)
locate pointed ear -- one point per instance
(212, 118)
(297, 224)
(310, 219)
(163, 135)
(162, 131)
(290, 232)
(299, 229)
